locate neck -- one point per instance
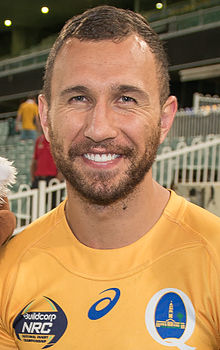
(119, 224)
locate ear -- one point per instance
(168, 113)
(43, 112)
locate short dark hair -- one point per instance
(110, 23)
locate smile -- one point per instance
(97, 157)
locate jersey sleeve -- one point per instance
(20, 109)
(213, 278)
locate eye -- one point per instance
(78, 99)
(126, 99)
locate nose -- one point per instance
(100, 123)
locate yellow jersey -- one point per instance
(28, 111)
(161, 292)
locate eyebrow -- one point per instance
(123, 89)
(79, 89)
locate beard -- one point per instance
(100, 187)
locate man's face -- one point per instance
(104, 118)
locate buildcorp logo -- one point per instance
(43, 327)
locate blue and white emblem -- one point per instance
(170, 318)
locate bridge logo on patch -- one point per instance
(170, 318)
(43, 327)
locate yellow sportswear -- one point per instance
(161, 292)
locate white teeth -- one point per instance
(101, 157)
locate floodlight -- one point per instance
(7, 22)
(159, 5)
(44, 9)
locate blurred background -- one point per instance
(190, 30)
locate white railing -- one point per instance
(189, 124)
(24, 205)
(199, 163)
(200, 100)
(29, 204)
(50, 196)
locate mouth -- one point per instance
(101, 157)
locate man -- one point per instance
(28, 117)
(123, 263)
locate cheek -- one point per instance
(136, 134)
(66, 125)
(140, 128)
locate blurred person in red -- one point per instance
(42, 166)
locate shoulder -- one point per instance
(191, 215)
(35, 106)
(196, 223)
(14, 251)
(205, 224)
(21, 105)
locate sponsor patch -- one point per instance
(43, 327)
(170, 318)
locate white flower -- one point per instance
(7, 176)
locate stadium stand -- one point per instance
(189, 21)
(180, 8)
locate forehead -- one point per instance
(105, 60)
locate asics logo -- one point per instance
(95, 313)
